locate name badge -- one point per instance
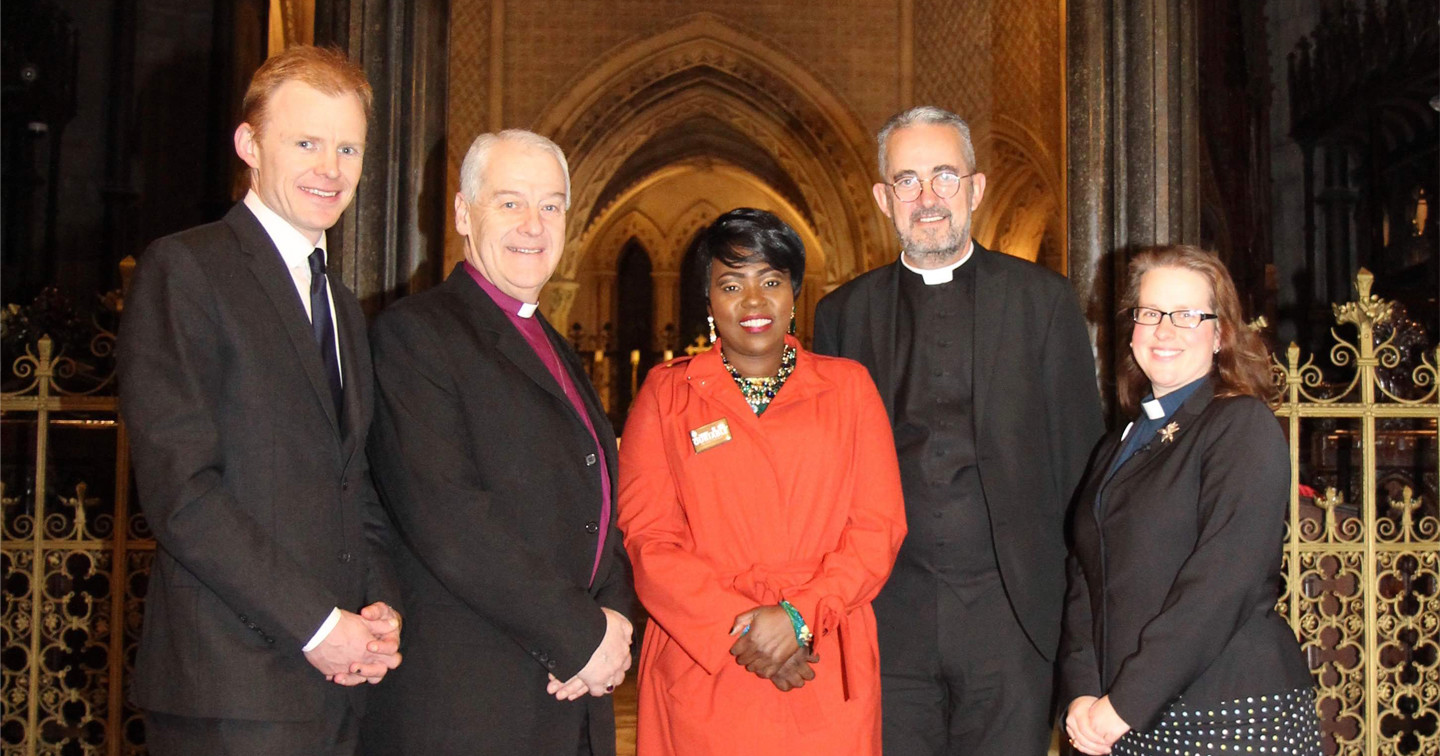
(710, 435)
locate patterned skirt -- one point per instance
(1283, 723)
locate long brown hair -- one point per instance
(1240, 368)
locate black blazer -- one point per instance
(494, 482)
(1037, 411)
(260, 503)
(1175, 573)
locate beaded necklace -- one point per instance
(759, 391)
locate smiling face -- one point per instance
(1173, 357)
(934, 230)
(515, 229)
(752, 306)
(306, 158)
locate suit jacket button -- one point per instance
(589, 460)
(345, 557)
(269, 641)
(550, 664)
(592, 527)
(344, 486)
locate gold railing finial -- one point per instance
(1363, 281)
(1407, 504)
(43, 362)
(1329, 502)
(1366, 312)
(1412, 529)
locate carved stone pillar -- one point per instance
(393, 238)
(667, 303)
(1133, 149)
(604, 298)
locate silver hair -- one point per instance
(930, 115)
(478, 157)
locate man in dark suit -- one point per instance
(495, 458)
(985, 366)
(246, 388)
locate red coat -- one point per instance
(802, 503)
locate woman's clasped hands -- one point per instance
(1093, 725)
(767, 646)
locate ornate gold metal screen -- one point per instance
(75, 557)
(1361, 552)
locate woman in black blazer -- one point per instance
(1171, 641)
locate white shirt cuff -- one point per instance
(325, 628)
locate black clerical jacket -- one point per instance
(494, 482)
(1036, 411)
(1175, 574)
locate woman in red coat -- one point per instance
(761, 505)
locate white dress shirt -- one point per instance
(295, 251)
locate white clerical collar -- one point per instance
(1153, 410)
(502, 300)
(933, 276)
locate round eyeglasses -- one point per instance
(1149, 316)
(944, 184)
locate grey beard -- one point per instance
(935, 254)
(926, 256)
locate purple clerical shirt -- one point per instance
(534, 334)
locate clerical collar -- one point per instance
(501, 299)
(1165, 406)
(1157, 410)
(934, 276)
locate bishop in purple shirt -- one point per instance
(496, 460)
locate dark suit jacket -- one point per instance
(494, 482)
(1175, 575)
(1036, 409)
(262, 508)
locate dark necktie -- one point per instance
(324, 328)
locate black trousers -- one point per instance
(964, 680)
(334, 733)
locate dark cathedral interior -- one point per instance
(1297, 139)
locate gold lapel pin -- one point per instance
(1167, 434)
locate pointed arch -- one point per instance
(634, 225)
(695, 217)
(624, 120)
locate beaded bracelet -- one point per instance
(803, 636)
